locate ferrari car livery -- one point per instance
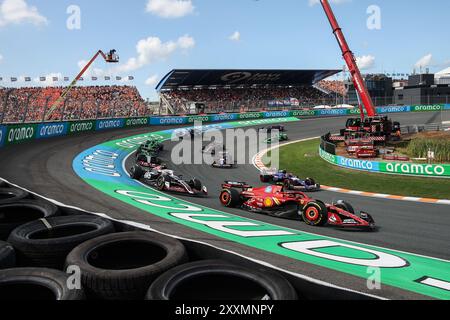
(275, 201)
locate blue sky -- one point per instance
(35, 41)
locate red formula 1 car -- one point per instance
(275, 201)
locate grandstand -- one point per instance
(30, 104)
(215, 91)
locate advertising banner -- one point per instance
(393, 109)
(81, 126)
(426, 108)
(135, 122)
(447, 107)
(250, 116)
(332, 112)
(48, 130)
(2, 135)
(193, 119)
(303, 113)
(224, 117)
(102, 125)
(20, 133)
(276, 114)
(399, 168)
(429, 170)
(167, 121)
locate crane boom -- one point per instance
(350, 60)
(111, 57)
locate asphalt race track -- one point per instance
(46, 168)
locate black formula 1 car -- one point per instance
(288, 180)
(166, 180)
(277, 127)
(278, 202)
(148, 162)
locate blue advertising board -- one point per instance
(109, 124)
(357, 164)
(393, 109)
(164, 121)
(48, 130)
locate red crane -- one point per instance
(350, 60)
(111, 57)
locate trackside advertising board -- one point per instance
(102, 168)
(3, 130)
(11, 134)
(20, 133)
(399, 168)
(49, 130)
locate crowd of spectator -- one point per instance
(334, 86)
(233, 99)
(32, 104)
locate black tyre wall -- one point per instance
(47, 243)
(123, 265)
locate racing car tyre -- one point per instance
(196, 184)
(136, 172)
(47, 242)
(7, 256)
(310, 182)
(264, 179)
(344, 205)
(315, 214)
(161, 183)
(123, 265)
(219, 280)
(230, 198)
(13, 215)
(37, 284)
(8, 195)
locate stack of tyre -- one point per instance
(46, 254)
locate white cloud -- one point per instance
(18, 11)
(170, 8)
(236, 36)
(152, 81)
(153, 49)
(424, 62)
(314, 2)
(365, 62)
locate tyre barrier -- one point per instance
(8, 195)
(36, 284)
(115, 261)
(194, 281)
(47, 242)
(123, 265)
(15, 214)
(7, 256)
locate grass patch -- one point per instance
(303, 160)
(438, 142)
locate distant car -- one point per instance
(278, 202)
(288, 180)
(213, 148)
(166, 180)
(224, 161)
(277, 138)
(269, 129)
(150, 147)
(185, 133)
(148, 162)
